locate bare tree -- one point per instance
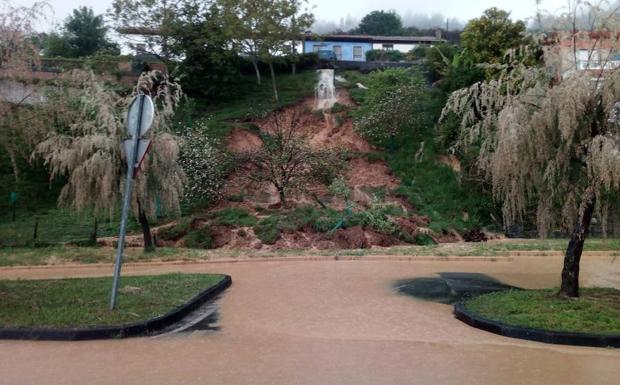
(288, 162)
(550, 140)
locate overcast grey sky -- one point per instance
(333, 10)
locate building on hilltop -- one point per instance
(585, 51)
(355, 47)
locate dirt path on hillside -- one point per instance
(327, 322)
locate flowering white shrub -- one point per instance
(389, 115)
(204, 164)
(393, 104)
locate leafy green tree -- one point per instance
(380, 23)
(438, 58)
(488, 37)
(83, 34)
(454, 68)
(153, 19)
(201, 38)
(266, 30)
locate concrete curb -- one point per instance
(136, 329)
(540, 335)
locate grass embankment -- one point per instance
(415, 156)
(597, 310)
(248, 100)
(24, 256)
(82, 302)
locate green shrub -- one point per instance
(337, 108)
(176, 231)
(327, 222)
(393, 104)
(199, 238)
(298, 218)
(235, 216)
(424, 240)
(384, 55)
(267, 230)
(358, 95)
(236, 198)
(204, 163)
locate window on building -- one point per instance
(388, 47)
(338, 52)
(316, 48)
(357, 52)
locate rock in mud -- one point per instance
(475, 235)
(352, 238)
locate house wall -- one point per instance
(347, 48)
(404, 48)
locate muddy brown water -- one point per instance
(323, 322)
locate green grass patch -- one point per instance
(56, 226)
(199, 238)
(267, 230)
(84, 302)
(235, 216)
(556, 244)
(247, 101)
(596, 311)
(176, 231)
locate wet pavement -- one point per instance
(324, 322)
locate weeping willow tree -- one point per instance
(85, 146)
(547, 140)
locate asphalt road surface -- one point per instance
(323, 323)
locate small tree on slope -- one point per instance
(287, 161)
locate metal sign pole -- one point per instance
(131, 160)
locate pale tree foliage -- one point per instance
(85, 145)
(19, 123)
(548, 141)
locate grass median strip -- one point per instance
(83, 302)
(596, 311)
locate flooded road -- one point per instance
(324, 322)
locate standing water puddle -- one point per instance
(450, 288)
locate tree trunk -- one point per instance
(570, 272)
(14, 164)
(282, 198)
(257, 70)
(146, 229)
(35, 231)
(93, 235)
(294, 68)
(273, 82)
